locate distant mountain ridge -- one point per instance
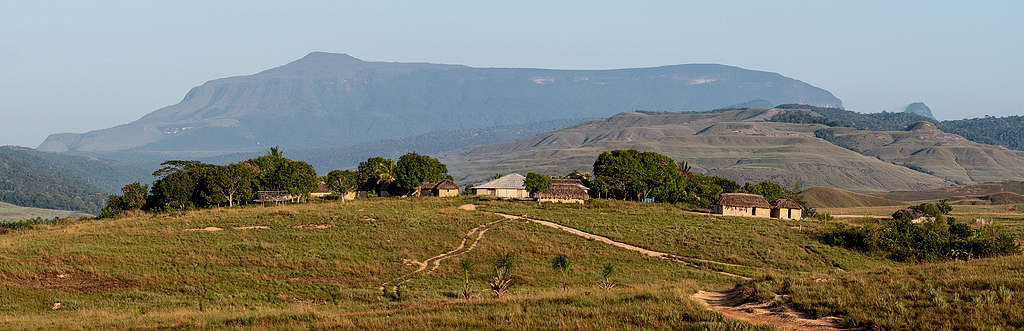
(789, 144)
(326, 100)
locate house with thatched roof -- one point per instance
(444, 188)
(321, 191)
(742, 204)
(511, 186)
(564, 191)
(787, 209)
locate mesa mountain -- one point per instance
(330, 100)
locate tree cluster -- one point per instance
(634, 175)
(382, 174)
(192, 184)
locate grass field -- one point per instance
(9, 212)
(321, 265)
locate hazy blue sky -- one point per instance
(78, 66)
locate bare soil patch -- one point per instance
(251, 227)
(732, 305)
(315, 226)
(207, 229)
(468, 206)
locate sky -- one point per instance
(77, 66)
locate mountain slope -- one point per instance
(106, 175)
(829, 197)
(739, 144)
(325, 99)
(926, 148)
(26, 183)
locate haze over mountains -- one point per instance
(330, 100)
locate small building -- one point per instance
(564, 191)
(742, 204)
(321, 191)
(444, 188)
(511, 186)
(787, 209)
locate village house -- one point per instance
(322, 191)
(444, 188)
(742, 204)
(511, 186)
(786, 208)
(564, 191)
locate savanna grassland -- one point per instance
(322, 265)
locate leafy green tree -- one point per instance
(413, 169)
(133, 198)
(633, 174)
(537, 183)
(175, 190)
(376, 171)
(230, 183)
(562, 264)
(297, 177)
(770, 191)
(342, 181)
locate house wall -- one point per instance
(787, 213)
(511, 193)
(743, 211)
(447, 193)
(484, 192)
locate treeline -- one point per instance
(938, 238)
(182, 185)
(634, 175)
(884, 121)
(27, 181)
(1001, 131)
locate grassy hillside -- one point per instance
(957, 192)
(9, 212)
(737, 144)
(321, 265)
(828, 197)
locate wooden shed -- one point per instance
(742, 204)
(786, 208)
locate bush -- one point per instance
(902, 240)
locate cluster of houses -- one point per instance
(564, 190)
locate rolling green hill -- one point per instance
(9, 212)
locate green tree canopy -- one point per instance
(770, 191)
(376, 171)
(230, 183)
(342, 181)
(633, 174)
(413, 169)
(537, 183)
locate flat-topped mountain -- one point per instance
(327, 100)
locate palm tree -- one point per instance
(562, 264)
(606, 275)
(502, 274)
(275, 151)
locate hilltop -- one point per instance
(787, 145)
(326, 100)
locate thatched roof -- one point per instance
(566, 181)
(786, 203)
(742, 200)
(443, 185)
(510, 181)
(322, 188)
(563, 191)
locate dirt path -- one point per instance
(626, 246)
(731, 304)
(435, 260)
(877, 217)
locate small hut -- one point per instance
(564, 191)
(786, 208)
(511, 186)
(321, 191)
(444, 188)
(742, 204)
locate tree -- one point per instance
(502, 274)
(376, 171)
(770, 191)
(297, 177)
(175, 190)
(606, 275)
(133, 198)
(561, 263)
(537, 183)
(230, 182)
(342, 181)
(632, 174)
(413, 169)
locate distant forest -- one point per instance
(1002, 131)
(26, 183)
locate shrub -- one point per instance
(902, 240)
